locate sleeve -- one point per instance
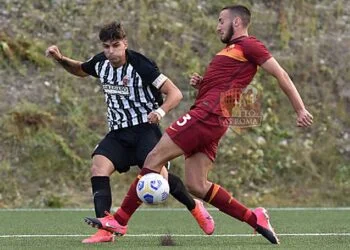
(256, 52)
(148, 70)
(89, 66)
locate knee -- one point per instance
(100, 170)
(153, 155)
(153, 159)
(94, 170)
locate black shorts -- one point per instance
(129, 146)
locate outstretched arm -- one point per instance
(304, 118)
(72, 66)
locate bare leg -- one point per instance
(164, 151)
(101, 166)
(197, 168)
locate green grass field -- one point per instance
(64, 229)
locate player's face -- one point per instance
(225, 27)
(114, 50)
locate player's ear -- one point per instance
(236, 21)
(125, 41)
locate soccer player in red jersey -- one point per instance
(196, 134)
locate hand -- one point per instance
(154, 117)
(304, 119)
(196, 80)
(54, 52)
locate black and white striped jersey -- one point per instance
(131, 91)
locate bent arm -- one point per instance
(172, 99)
(173, 95)
(286, 84)
(70, 65)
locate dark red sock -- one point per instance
(220, 198)
(131, 201)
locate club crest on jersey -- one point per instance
(116, 89)
(125, 80)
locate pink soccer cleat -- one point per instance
(108, 223)
(100, 236)
(203, 218)
(263, 225)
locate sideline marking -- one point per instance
(146, 209)
(173, 235)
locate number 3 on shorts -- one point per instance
(185, 118)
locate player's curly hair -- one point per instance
(112, 31)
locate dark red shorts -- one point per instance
(197, 131)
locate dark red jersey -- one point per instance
(232, 68)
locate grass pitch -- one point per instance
(150, 228)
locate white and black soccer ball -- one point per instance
(152, 189)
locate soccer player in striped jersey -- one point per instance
(133, 87)
(196, 134)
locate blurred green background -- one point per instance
(51, 121)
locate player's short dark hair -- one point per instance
(112, 31)
(241, 11)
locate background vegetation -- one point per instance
(50, 121)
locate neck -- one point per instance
(117, 65)
(239, 33)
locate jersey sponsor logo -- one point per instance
(116, 90)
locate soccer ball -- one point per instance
(152, 189)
